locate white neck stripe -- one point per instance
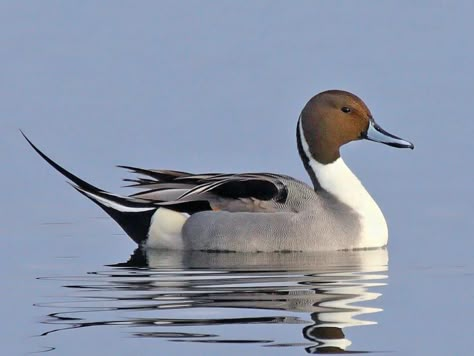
(338, 179)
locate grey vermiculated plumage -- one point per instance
(287, 224)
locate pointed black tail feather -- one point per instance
(133, 215)
(81, 183)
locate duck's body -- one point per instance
(262, 211)
(308, 221)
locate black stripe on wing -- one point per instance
(253, 188)
(241, 186)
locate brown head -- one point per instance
(333, 118)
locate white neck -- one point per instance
(338, 179)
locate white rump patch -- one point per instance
(165, 229)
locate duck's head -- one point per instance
(335, 117)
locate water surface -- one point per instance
(216, 301)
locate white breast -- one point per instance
(339, 180)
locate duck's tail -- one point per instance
(133, 215)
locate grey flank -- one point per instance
(305, 222)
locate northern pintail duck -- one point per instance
(261, 211)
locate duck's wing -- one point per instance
(222, 191)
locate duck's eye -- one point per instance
(345, 109)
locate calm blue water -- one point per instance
(210, 302)
(218, 86)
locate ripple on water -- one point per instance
(201, 297)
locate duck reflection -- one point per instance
(167, 294)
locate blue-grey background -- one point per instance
(218, 86)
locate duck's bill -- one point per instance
(377, 134)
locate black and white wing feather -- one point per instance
(181, 186)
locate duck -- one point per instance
(260, 212)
